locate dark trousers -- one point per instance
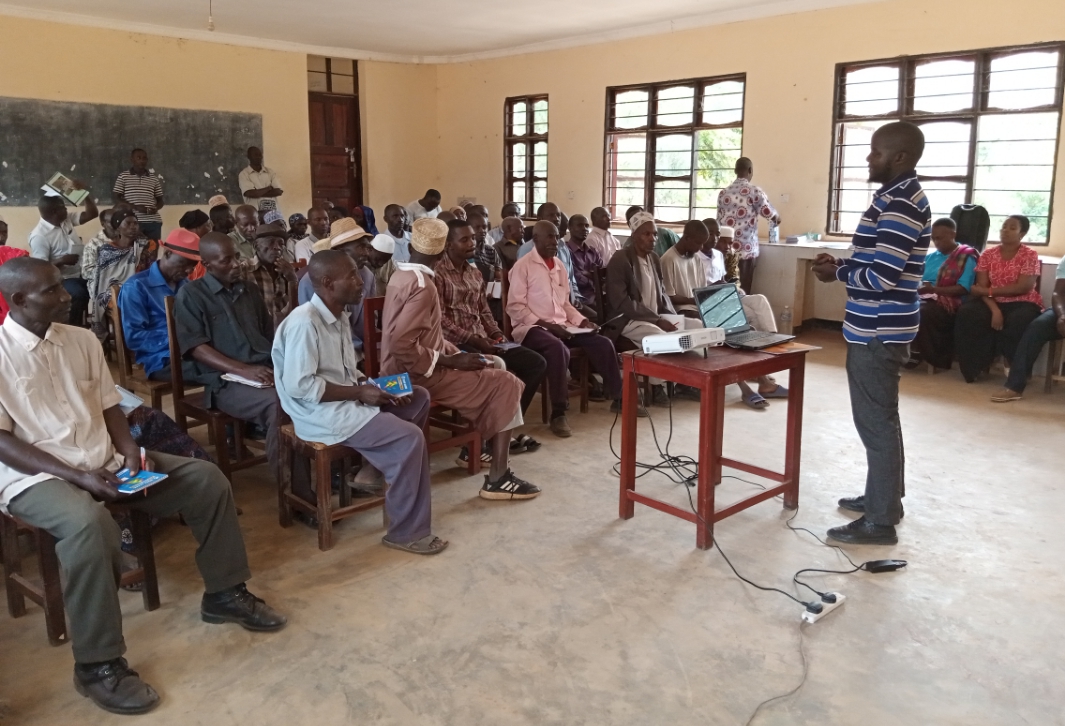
(1039, 332)
(873, 375)
(260, 406)
(935, 337)
(89, 538)
(79, 300)
(976, 343)
(601, 355)
(529, 367)
(394, 443)
(152, 230)
(747, 266)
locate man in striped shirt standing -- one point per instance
(883, 313)
(141, 188)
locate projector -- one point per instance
(682, 341)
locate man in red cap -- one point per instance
(141, 301)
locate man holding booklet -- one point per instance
(331, 402)
(62, 438)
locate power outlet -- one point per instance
(827, 607)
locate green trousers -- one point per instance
(88, 543)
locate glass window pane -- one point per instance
(946, 151)
(539, 193)
(343, 66)
(1023, 80)
(316, 82)
(343, 84)
(518, 119)
(943, 196)
(945, 85)
(1037, 232)
(540, 117)
(872, 91)
(673, 155)
(625, 170)
(316, 63)
(672, 201)
(715, 163)
(1014, 178)
(540, 158)
(723, 103)
(630, 109)
(856, 200)
(853, 172)
(517, 195)
(675, 106)
(518, 159)
(848, 222)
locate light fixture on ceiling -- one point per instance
(210, 14)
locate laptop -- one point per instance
(720, 307)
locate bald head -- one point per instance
(34, 290)
(744, 167)
(695, 236)
(215, 244)
(330, 264)
(895, 149)
(25, 274)
(550, 212)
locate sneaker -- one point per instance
(464, 456)
(115, 687)
(641, 412)
(560, 427)
(237, 605)
(688, 392)
(508, 487)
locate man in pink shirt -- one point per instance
(545, 321)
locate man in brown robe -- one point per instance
(475, 385)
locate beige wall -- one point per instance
(165, 72)
(789, 62)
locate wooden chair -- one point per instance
(462, 433)
(1053, 371)
(129, 378)
(48, 591)
(321, 457)
(192, 406)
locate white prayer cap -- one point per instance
(640, 219)
(726, 231)
(384, 243)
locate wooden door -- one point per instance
(336, 150)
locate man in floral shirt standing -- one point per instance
(739, 205)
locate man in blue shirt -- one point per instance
(882, 317)
(141, 302)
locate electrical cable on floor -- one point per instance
(793, 691)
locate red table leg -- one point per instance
(711, 431)
(793, 446)
(626, 507)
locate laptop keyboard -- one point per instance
(750, 336)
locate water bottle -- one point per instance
(785, 320)
(774, 233)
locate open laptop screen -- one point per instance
(720, 307)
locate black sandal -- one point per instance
(523, 444)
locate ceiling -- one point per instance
(408, 30)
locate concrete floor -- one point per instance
(554, 611)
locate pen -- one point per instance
(144, 460)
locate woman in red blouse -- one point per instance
(1004, 301)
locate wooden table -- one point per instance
(710, 375)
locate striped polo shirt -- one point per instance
(884, 272)
(141, 190)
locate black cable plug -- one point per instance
(814, 607)
(829, 597)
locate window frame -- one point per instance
(654, 129)
(531, 138)
(980, 107)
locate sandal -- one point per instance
(523, 444)
(427, 545)
(756, 401)
(778, 392)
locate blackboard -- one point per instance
(196, 153)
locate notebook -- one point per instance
(245, 381)
(131, 484)
(398, 385)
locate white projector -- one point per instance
(684, 340)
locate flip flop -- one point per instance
(427, 545)
(778, 392)
(523, 444)
(756, 401)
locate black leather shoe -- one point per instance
(861, 531)
(857, 504)
(237, 605)
(114, 687)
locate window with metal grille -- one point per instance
(525, 152)
(990, 120)
(671, 147)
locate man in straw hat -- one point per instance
(142, 301)
(330, 402)
(352, 240)
(413, 342)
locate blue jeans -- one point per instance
(1039, 332)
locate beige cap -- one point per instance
(342, 231)
(217, 201)
(428, 236)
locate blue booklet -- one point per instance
(398, 385)
(132, 484)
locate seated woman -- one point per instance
(1004, 301)
(114, 262)
(949, 272)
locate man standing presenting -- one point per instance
(259, 184)
(739, 205)
(54, 240)
(141, 188)
(427, 206)
(882, 317)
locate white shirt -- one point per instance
(250, 179)
(303, 249)
(49, 242)
(401, 253)
(682, 275)
(54, 396)
(495, 235)
(714, 266)
(605, 243)
(417, 211)
(648, 283)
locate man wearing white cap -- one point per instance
(54, 240)
(382, 262)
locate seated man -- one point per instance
(142, 302)
(469, 324)
(712, 257)
(636, 302)
(544, 320)
(246, 221)
(318, 229)
(413, 342)
(331, 403)
(510, 209)
(352, 240)
(381, 262)
(600, 237)
(62, 438)
(271, 272)
(224, 326)
(511, 231)
(664, 236)
(396, 221)
(586, 262)
(484, 254)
